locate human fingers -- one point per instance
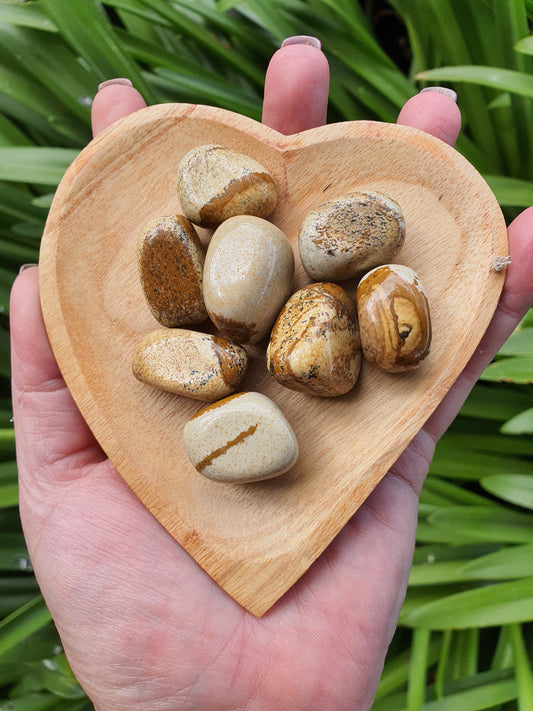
(296, 86)
(515, 300)
(48, 425)
(115, 99)
(435, 111)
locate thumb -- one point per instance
(48, 426)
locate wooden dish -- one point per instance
(257, 539)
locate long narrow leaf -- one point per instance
(497, 604)
(23, 623)
(83, 25)
(493, 77)
(516, 488)
(44, 165)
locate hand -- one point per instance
(142, 625)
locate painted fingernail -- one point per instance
(111, 82)
(450, 93)
(302, 39)
(23, 267)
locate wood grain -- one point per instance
(256, 540)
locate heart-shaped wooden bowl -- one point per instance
(257, 539)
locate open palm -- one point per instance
(142, 624)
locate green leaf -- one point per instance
(35, 97)
(524, 675)
(497, 604)
(457, 462)
(43, 201)
(482, 523)
(16, 13)
(495, 402)
(525, 45)
(494, 77)
(44, 57)
(509, 370)
(44, 165)
(516, 488)
(519, 343)
(82, 23)
(24, 622)
(508, 562)
(519, 424)
(52, 674)
(7, 443)
(511, 192)
(416, 689)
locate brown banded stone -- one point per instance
(215, 183)
(170, 258)
(314, 346)
(394, 318)
(189, 363)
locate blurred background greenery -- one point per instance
(465, 639)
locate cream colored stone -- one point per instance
(345, 237)
(248, 275)
(215, 183)
(197, 365)
(314, 346)
(240, 439)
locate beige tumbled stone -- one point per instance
(344, 237)
(189, 363)
(243, 438)
(248, 273)
(215, 183)
(314, 346)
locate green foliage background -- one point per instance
(464, 641)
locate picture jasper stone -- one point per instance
(394, 318)
(248, 273)
(215, 183)
(343, 238)
(197, 365)
(314, 346)
(241, 439)
(170, 258)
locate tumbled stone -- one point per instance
(240, 439)
(248, 274)
(170, 258)
(215, 183)
(197, 365)
(394, 318)
(343, 238)
(314, 346)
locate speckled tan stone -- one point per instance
(170, 258)
(240, 439)
(197, 365)
(394, 318)
(248, 274)
(345, 237)
(314, 346)
(215, 183)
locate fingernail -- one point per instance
(302, 39)
(26, 266)
(450, 93)
(118, 80)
